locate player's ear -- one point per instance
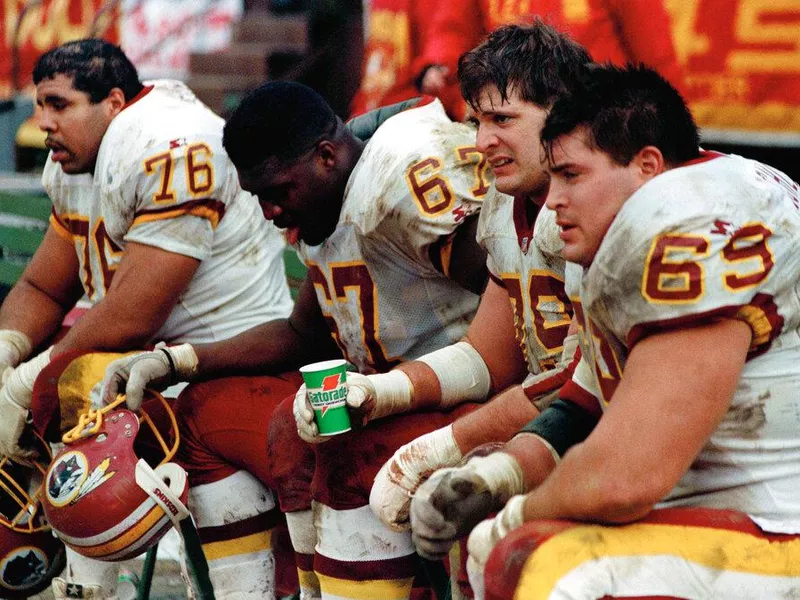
(326, 153)
(650, 162)
(115, 101)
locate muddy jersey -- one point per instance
(163, 179)
(524, 258)
(381, 277)
(718, 238)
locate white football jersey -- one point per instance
(525, 259)
(380, 277)
(163, 179)
(719, 238)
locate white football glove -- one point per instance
(452, 501)
(15, 402)
(411, 464)
(487, 533)
(369, 397)
(15, 347)
(157, 369)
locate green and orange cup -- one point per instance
(326, 385)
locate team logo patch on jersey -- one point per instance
(723, 227)
(69, 478)
(23, 568)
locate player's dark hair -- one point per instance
(280, 119)
(96, 67)
(626, 109)
(535, 60)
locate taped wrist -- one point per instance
(462, 373)
(393, 392)
(501, 473)
(562, 425)
(15, 346)
(182, 361)
(20, 385)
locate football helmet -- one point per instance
(30, 555)
(111, 492)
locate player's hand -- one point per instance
(306, 423)
(304, 418)
(15, 347)
(446, 508)
(434, 80)
(15, 402)
(401, 476)
(157, 369)
(487, 533)
(369, 397)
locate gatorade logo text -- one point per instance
(332, 394)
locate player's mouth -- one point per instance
(500, 164)
(565, 228)
(58, 152)
(292, 235)
(291, 230)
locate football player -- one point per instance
(387, 230)
(150, 224)
(510, 81)
(688, 315)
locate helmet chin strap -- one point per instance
(154, 483)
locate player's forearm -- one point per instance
(497, 421)
(272, 347)
(106, 327)
(583, 488)
(31, 311)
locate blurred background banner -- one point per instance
(740, 58)
(32, 27)
(741, 61)
(159, 35)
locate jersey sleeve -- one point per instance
(699, 244)
(425, 190)
(177, 194)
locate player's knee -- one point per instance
(508, 559)
(290, 460)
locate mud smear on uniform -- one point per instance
(745, 420)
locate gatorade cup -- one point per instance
(327, 391)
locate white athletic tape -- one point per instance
(392, 392)
(462, 373)
(501, 472)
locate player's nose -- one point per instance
(46, 121)
(485, 139)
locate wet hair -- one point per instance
(624, 110)
(536, 61)
(281, 120)
(96, 67)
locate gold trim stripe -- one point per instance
(256, 542)
(715, 548)
(153, 516)
(387, 589)
(204, 212)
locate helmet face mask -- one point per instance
(111, 492)
(30, 555)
